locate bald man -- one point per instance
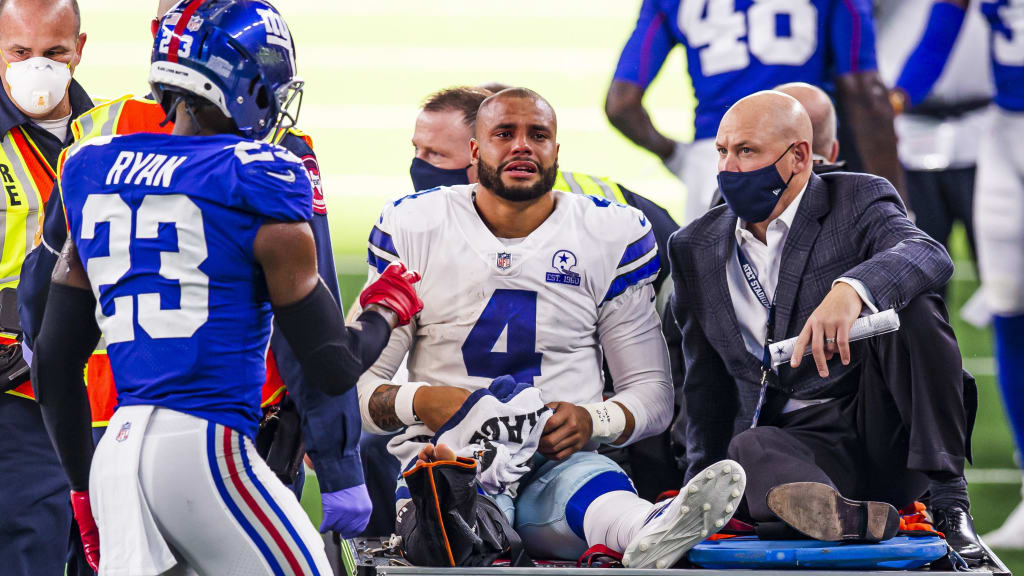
(41, 45)
(794, 254)
(539, 285)
(824, 144)
(819, 107)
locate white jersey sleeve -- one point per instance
(629, 328)
(383, 248)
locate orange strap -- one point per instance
(913, 519)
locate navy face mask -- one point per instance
(753, 195)
(426, 176)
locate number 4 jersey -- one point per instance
(737, 47)
(545, 309)
(164, 226)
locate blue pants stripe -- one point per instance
(211, 454)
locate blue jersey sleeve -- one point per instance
(330, 424)
(647, 48)
(273, 183)
(853, 37)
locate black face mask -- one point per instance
(753, 195)
(426, 176)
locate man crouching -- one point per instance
(798, 255)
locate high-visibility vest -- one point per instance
(130, 115)
(590, 185)
(27, 179)
(125, 115)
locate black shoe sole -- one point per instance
(820, 512)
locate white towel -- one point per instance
(130, 541)
(499, 426)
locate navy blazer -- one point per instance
(851, 225)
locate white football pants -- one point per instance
(199, 491)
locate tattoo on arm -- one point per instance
(382, 407)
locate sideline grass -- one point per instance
(369, 64)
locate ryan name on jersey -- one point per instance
(144, 169)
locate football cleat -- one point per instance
(704, 506)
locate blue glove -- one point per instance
(347, 511)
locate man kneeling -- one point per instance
(797, 254)
(538, 286)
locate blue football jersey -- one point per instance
(164, 226)
(1006, 17)
(737, 47)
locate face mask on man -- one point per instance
(753, 195)
(426, 176)
(38, 84)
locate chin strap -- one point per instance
(172, 112)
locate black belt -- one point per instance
(939, 110)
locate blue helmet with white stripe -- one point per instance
(236, 54)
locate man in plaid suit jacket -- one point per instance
(881, 419)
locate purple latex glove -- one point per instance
(346, 511)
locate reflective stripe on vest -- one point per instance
(590, 185)
(26, 179)
(126, 115)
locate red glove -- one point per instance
(394, 290)
(87, 526)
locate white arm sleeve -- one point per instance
(630, 334)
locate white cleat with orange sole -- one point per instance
(702, 508)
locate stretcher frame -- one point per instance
(367, 564)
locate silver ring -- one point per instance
(830, 340)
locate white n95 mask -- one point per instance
(37, 84)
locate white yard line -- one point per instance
(993, 476)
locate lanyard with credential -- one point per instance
(766, 358)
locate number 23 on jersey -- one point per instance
(181, 265)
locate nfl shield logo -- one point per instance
(504, 260)
(122, 434)
(194, 23)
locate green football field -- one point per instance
(368, 65)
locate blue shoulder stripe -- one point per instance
(633, 277)
(376, 261)
(638, 249)
(382, 240)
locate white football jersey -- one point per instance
(546, 308)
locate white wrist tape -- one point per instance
(403, 402)
(609, 420)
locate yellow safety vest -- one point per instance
(27, 179)
(590, 185)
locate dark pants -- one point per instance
(909, 419)
(941, 197)
(380, 470)
(35, 510)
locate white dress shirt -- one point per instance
(766, 259)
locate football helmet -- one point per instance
(236, 54)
